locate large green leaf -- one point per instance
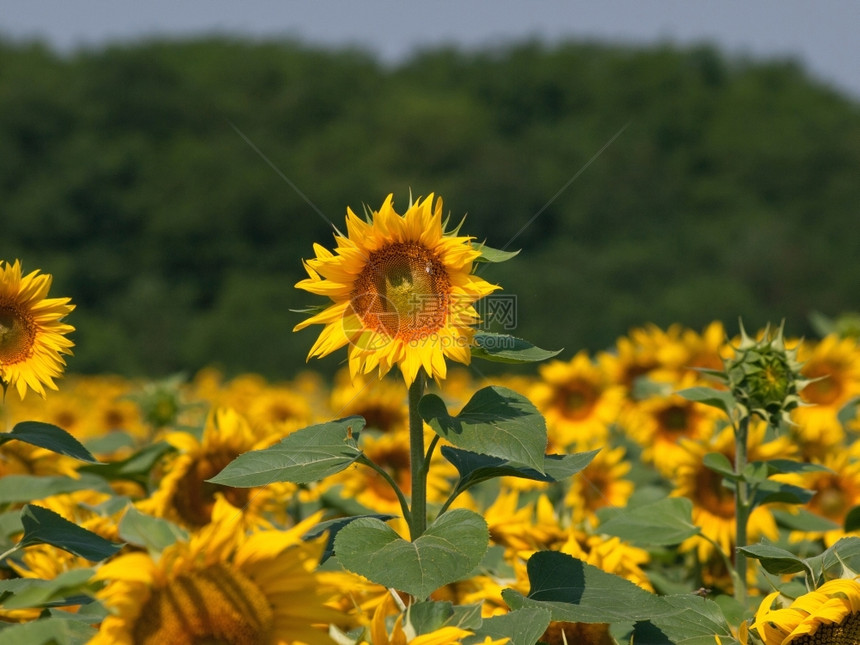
(474, 468)
(503, 348)
(695, 621)
(774, 559)
(576, 591)
(662, 523)
(151, 533)
(43, 526)
(333, 527)
(134, 467)
(450, 549)
(522, 627)
(65, 589)
(305, 456)
(720, 399)
(50, 437)
(48, 631)
(15, 489)
(496, 421)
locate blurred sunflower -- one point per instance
(830, 615)
(645, 352)
(578, 401)
(403, 292)
(658, 422)
(382, 403)
(525, 528)
(183, 494)
(714, 503)
(221, 586)
(600, 484)
(834, 366)
(32, 334)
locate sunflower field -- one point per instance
(683, 486)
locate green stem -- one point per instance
(419, 467)
(742, 509)
(15, 548)
(404, 505)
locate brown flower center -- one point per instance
(576, 399)
(402, 292)
(845, 633)
(17, 334)
(674, 419)
(217, 605)
(712, 495)
(195, 497)
(825, 391)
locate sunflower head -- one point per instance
(402, 292)
(32, 334)
(764, 376)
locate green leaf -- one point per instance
(845, 553)
(576, 591)
(50, 437)
(522, 627)
(474, 468)
(496, 421)
(48, 631)
(662, 523)
(67, 588)
(721, 399)
(695, 622)
(334, 527)
(304, 456)
(770, 491)
(43, 526)
(720, 464)
(489, 254)
(449, 550)
(151, 533)
(134, 467)
(790, 466)
(852, 520)
(16, 489)
(774, 559)
(504, 348)
(803, 520)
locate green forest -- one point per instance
(173, 188)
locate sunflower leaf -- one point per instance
(48, 631)
(576, 591)
(521, 626)
(489, 254)
(34, 592)
(474, 468)
(720, 399)
(449, 550)
(15, 489)
(774, 559)
(334, 527)
(152, 533)
(496, 421)
(662, 523)
(695, 621)
(504, 348)
(50, 437)
(43, 526)
(302, 457)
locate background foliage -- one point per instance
(127, 173)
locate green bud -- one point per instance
(764, 376)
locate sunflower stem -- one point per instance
(418, 464)
(742, 509)
(404, 504)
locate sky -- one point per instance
(821, 35)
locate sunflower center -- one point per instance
(712, 495)
(825, 391)
(402, 292)
(577, 399)
(217, 605)
(845, 633)
(195, 496)
(17, 335)
(831, 501)
(674, 419)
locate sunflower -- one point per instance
(830, 614)
(381, 403)
(32, 334)
(220, 586)
(183, 494)
(602, 483)
(714, 503)
(578, 401)
(403, 292)
(833, 365)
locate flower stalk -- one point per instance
(418, 464)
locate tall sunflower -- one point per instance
(32, 334)
(402, 289)
(830, 614)
(222, 586)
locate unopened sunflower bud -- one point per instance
(764, 376)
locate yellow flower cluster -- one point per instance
(238, 569)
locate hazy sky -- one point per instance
(823, 34)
